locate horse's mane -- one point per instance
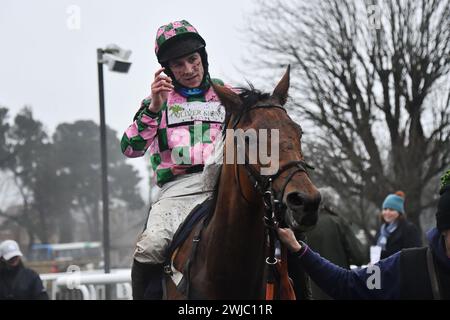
(250, 96)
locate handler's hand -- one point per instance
(287, 237)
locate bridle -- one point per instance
(264, 185)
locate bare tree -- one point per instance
(373, 78)
(4, 127)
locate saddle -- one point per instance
(177, 275)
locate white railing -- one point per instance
(88, 285)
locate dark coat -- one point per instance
(405, 236)
(21, 283)
(333, 239)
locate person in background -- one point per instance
(396, 232)
(414, 273)
(16, 281)
(334, 239)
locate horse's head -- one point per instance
(280, 175)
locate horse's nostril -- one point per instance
(294, 199)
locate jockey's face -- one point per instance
(188, 70)
(389, 215)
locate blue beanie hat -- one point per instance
(394, 202)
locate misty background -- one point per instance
(48, 61)
(370, 87)
(48, 65)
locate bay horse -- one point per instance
(227, 253)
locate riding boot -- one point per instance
(154, 289)
(146, 281)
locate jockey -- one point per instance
(181, 123)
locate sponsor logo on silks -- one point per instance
(196, 111)
(175, 110)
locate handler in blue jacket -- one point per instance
(416, 273)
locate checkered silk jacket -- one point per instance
(180, 137)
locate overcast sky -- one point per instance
(48, 53)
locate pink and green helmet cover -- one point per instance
(171, 30)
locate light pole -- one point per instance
(116, 59)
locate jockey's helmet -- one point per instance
(177, 39)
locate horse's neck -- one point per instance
(235, 238)
(236, 213)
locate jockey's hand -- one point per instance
(287, 237)
(161, 87)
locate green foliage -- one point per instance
(77, 146)
(60, 178)
(445, 179)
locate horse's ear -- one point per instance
(281, 90)
(229, 99)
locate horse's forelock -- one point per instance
(250, 96)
